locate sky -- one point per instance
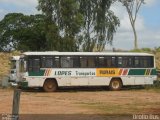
(147, 24)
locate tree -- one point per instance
(22, 32)
(100, 23)
(81, 23)
(132, 7)
(65, 16)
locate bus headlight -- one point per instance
(23, 79)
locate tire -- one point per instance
(115, 84)
(50, 86)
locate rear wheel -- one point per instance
(50, 85)
(115, 84)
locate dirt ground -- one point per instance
(83, 101)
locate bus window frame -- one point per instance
(96, 61)
(151, 60)
(128, 65)
(28, 65)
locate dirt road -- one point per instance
(90, 102)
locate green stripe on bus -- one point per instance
(136, 71)
(141, 72)
(131, 72)
(39, 73)
(23, 84)
(153, 72)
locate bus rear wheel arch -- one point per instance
(115, 84)
(50, 85)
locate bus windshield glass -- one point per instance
(22, 65)
(13, 64)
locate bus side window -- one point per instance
(136, 62)
(120, 62)
(146, 62)
(142, 62)
(56, 62)
(150, 61)
(66, 62)
(83, 62)
(130, 62)
(108, 61)
(111, 61)
(76, 62)
(101, 62)
(47, 62)
(124, 62)
(91, 62)
(34, 64)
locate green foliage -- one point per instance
(63, 15)
(136, 50)
(81, 23)
(157, 49)
(148, 50)
(66, 25)
(22, 32)
(100, 24)
(155, 86)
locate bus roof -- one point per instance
(15, 57)
(89, 53)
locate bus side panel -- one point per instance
(144, 80)
(83, 81)
(149, 79)
(63, 81)
(79, 81)
(99, 81)
(128, 80)
(35, 81)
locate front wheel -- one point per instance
(50, 86)
(115, 84)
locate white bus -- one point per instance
(51, 70)
(14, 70)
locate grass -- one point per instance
(120, 109)
(155, 87)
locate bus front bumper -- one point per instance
(23, 84)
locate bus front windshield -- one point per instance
(13, 64)
(22, 65)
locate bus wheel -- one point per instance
(115, 84)
(50, 85)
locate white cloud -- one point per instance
(124, 38)
(20, 6)
(122, 14)
(2, 13)
(146, 38)
(20, 2)
(126, 25)
(149, 38)
(150, 3)
(157, 36)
